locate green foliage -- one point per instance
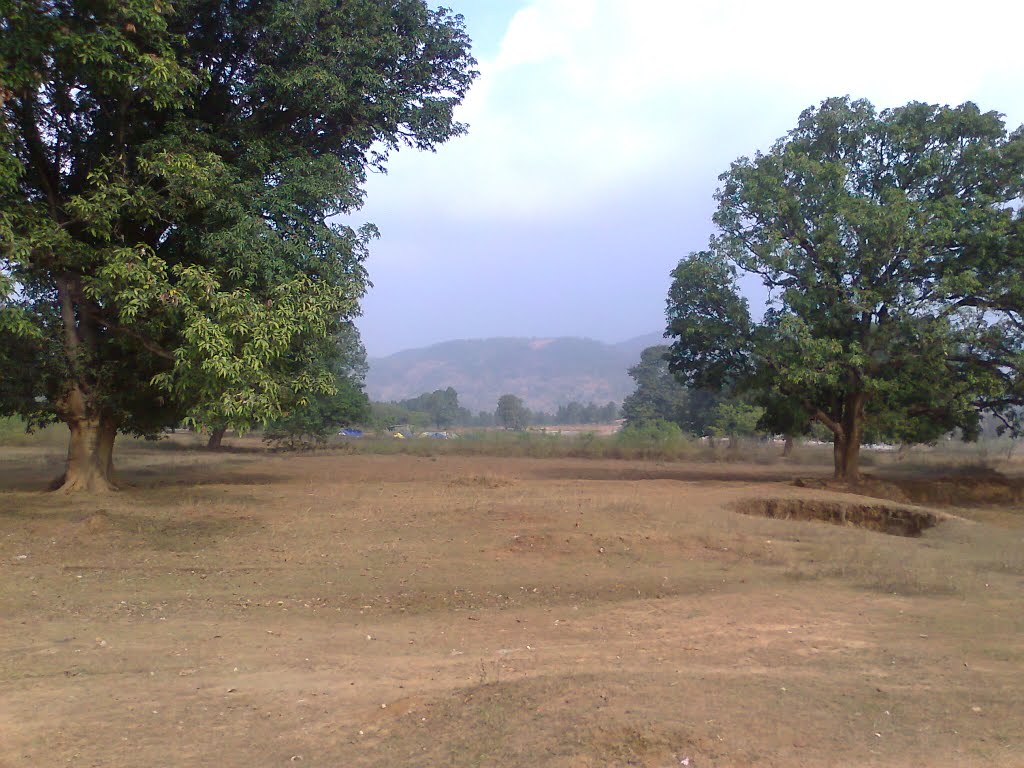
(511, 413)
(383, 415)
(880, 237)
(309, 421)
(656, 432)
(311, 424)
(661, 396)
(658, 396)
(169, 178)
(709, 321)
(732, 418)
(575, 412)
(439, 408)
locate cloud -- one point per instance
(598, 129)
(587, 99)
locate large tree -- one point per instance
(887, 243)
(441, 406)
(168, 178)
(511, 413)
(659, 395)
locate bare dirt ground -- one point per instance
(337, 610)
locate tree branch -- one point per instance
(37, 153)
(820, 416)
(115, 327)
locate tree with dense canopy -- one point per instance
(441, 406)
(511, 413)
(168, 174)
(889, 243)
(661, 396)
(310, 420)
(658, 396)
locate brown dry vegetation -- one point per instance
(351, 610)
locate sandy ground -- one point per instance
(335, 610)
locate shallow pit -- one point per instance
(882, 518)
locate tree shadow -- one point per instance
(688, 473)
(162, 531)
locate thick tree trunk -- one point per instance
(846, 452)
(787, 448)
(839, 454)
(90, 461)
(216, 436)
(850, 468)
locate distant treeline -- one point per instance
(440, 409)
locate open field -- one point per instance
(244, 609)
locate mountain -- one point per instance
(545, 373)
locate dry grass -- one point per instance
(249, 609)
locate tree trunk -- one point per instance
(839, 454)
(90, 462)
(787, 448)
(847, 443)
(216, 436)
(850, 468)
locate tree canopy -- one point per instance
(168, 178)
(511, 413)
(658, 396)
(308, 421)
(889, 244)
(440, 407)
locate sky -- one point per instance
(598, 130)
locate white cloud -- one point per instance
(590, 99)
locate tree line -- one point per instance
(440, 409)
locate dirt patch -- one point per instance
(990, 489)
(97, 523)
(490, 482)
(895, 521)
(398, 611)
(531, 543)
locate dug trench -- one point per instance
(883, 518)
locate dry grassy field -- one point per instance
(246, 609)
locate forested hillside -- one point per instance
(544, 373)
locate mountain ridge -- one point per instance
(544, 371)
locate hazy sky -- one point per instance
(598, 129)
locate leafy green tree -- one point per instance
(440, 406)
(168, 178)
(781, 415)
(511, 413)
(658, 394)
(877, 236)
(309, 420)
(661, 396)
(734, 418)
(576, 412)
(384, 415)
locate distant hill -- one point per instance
(545, 373)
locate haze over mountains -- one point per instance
(545, 373)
